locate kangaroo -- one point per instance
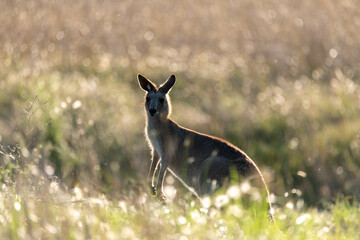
(197, 159)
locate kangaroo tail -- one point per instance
(271, 209)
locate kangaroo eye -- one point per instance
(161, 100)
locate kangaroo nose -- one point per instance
(152, 111)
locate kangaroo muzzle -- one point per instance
(152, 112)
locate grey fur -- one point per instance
(198, 159)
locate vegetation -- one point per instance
(279, 81)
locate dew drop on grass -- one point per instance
(51, 229)
(170, 192)
(302, 174)
(149, 36)
(233, 192)
(25, 152)
(236, 211)
(195, 215)
(300, 204)
(191, 160)
(293, 144)
(223, 229)
(17, 206)
(221, 200)
(289, 205)
(245, 187)
(49, 170)
(339, 170)
(206, 202)
(272, 198)
(333, 53)
(77, 104)
(323, 231)
(77, 194)
(34, 170)
(170, 180)
(302, 218)
(33, 218)
(123, 206)
(63, 104)
(296, 191)
(182, 220)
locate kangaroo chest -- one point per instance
(157, 145)
(156, 140)
(162, 142)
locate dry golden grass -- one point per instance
(279, 80)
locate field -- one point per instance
(281, 81)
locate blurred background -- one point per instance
(279, 80)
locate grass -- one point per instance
(279, 81)
(54, 213)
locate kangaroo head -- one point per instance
(157, 101)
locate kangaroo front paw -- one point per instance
(153, 191)
(162, 197)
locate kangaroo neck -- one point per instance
(158, 122)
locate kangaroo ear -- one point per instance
(146, 84)
(165, 87)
